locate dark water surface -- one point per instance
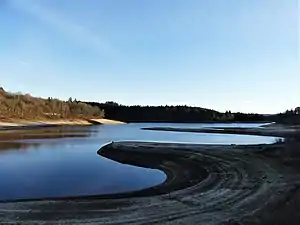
(63, 161)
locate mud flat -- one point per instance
(206, 184)
(270, 130)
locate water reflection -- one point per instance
(7, 146)
(33, 138)
(59, 162)
(46, 133)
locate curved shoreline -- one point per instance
(206, 184)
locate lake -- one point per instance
(63, 161)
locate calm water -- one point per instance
(57, 162)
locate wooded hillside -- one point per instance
(24, 106)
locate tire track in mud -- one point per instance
(206, 185)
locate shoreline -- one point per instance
(270, 130)
(28, 124)
(206, 184)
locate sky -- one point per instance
(238, 55)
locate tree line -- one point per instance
(178, 114)
(291, 116)
(24, 106)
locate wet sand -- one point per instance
(272, 130)
(206, 184)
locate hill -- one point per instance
(24, 106)
(27, 107)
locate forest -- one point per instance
(177, 114)
(290, 117)
(24, 106)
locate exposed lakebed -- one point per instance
(63, 161)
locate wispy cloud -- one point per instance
(247, 102)
(68, 28)
(22, 62)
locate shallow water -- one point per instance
(63, 161)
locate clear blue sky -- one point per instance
(239, 55)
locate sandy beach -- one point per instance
(8, 124)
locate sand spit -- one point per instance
(275, 131)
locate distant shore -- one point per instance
(16, 124)
(275, 130)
